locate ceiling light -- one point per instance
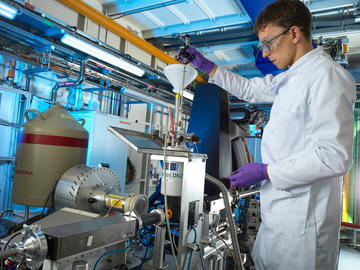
(7, 11)
(335, 34)
(101, 55)
(186, 94)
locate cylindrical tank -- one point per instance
(48, 145)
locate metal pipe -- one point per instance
(116, 28)
(8, 253)
(351, 225)
(139, 96)
(155, 217)
(26, 217)
(248, 193)
(82, 71)
(213, 251)
(147, 174)
(235, 242)
(177, 112)
(158, 255)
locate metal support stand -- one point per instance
(147, 176)
(159, 247)
(26, 217)
(158, 261)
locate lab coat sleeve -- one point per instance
(330, 108)
(251, 90)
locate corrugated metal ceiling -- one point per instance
(220, 29)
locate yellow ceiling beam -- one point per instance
(96, 16)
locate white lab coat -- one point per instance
(308, 146)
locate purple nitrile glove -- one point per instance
(248, 175)
(197, 59)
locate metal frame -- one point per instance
(192, 192)
(26, 94)
(122, 133)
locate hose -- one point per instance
(235, 242)
(8, 253)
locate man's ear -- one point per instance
(295, 33)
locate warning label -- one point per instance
(114, 203)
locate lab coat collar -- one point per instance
(306, 59)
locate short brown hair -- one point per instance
(285, 13)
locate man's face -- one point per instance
(277, 45)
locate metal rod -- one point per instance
(235, 242)
(255, 150)
(26, 213)
(248, 193)
(8, 253)
(177, 111)
(147, 176)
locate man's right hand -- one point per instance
(197, 59)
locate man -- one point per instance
(306, 145)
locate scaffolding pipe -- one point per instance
(235, 242)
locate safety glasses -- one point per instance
(266, 45)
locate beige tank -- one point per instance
(48, 145)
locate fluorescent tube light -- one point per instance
(7, 11)
(335, 34)
(186, 94)
(101, 54)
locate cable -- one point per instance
(200, 253)
(174, 234)
(197, 150)
(226, 245)
(146, 251)
(111, 206)
(201, 259)
(11, 238)
(5, 211)
(108, 253)
(47, 200)
(195, 236)
(166, 207)
(191, 252)
(227, 261)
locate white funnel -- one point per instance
(175, 74)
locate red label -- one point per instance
(24, 172)
(29, 6)
(125, 123)
(52, 140)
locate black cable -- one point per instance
(5, 211)
(47, 200)
(19, 226)
(11, 238)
